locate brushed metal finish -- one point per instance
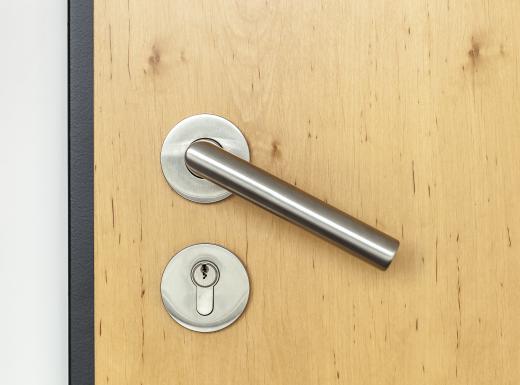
(211, 162)
(199, 306)
(214, 127)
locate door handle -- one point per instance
(205, 158)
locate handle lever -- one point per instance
(207, 160)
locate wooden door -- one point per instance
(404, 114)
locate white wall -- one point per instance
(33, 192)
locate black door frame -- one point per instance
(81, 191)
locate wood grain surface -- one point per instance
(404, 114)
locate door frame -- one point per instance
(81, 191)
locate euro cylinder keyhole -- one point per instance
(205, 276)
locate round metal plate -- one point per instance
(204, 126)
(230, 293)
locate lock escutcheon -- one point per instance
(205, 287)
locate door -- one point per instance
(404, 114)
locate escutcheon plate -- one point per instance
(230, 293)
(204, 126)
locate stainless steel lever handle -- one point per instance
(209, 161)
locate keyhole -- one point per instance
(205, 276)
(204, 270)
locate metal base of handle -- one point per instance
(191, 129)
